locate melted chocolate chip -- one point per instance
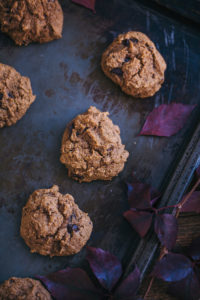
(72, 227)
(134, 40)
(127, 58)
(126, 42)
(117, 71)
(77, 176)
(1, 96)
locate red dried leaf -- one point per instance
(173, 267)
(193, 203)
(139, 220)
(166, 228)
(129, 287)
(139, 195)
(87, 3)
(167, 119)
(105, 266)
(73, 284)
(194, 249)
(186, 289)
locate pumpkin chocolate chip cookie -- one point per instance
(27, 21)
(92, 148)
(15, 95)
(133, 62)
(52, 224)
(23, 288)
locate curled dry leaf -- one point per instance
(105, 266)
(139, 220)
(73, 284)
(129, 287)
(166, 119)
(166, 228)
(173, 267)
(87, 3)
(193, 203)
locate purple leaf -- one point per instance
(172, 267)
(129, 287)
(73, 284)
(155, 196)
(167, 119)
(193, 203)
(139, 220)
(105, 266)
(166, 228)
(139, 195)
(186, 289)
(194, 249)
(87, 3)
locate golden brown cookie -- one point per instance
(27, 21)
(92, 148)
(133, 62)
(15, 95)
(52, 224)
(23, 288)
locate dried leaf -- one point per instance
(87, 3)
(73, 284)
(166, 228)
(167, 119)
(194, 249)
(193, 203)
(105, 266)
(139, 195)
(173, 267)
(186, 289)
(139, 220)
(129, 287)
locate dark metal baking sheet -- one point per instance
(67, 79)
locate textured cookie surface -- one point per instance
(133, 62)
(27, 21)
(23, 289)
(15, 95)
(91, 147)
(52, 224)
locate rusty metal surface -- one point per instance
(67, 79)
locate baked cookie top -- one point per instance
(15, 95)
(27, 21)
(52, 224)
(23, 288)
(92, 148)
(133, 62)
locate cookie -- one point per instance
(92, 148)
(27, 21)
(52, 224)
(133, 62)
(23, 288)
(16, 95)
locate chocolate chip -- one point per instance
(1, 96)
(117, 71)
(127, 58)
(134, 40)
(10, 95)
(77, 176)
(110, 149)
(153, 75)
(73, 216)
(126, 42)
(72, 227)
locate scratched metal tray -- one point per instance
(67, 79)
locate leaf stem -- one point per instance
(178, 207)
